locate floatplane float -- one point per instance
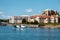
(19, 26)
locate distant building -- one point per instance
(17, 19)
(53, 15)
(49, 12)
(47, 16)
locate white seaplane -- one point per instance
(21, 27)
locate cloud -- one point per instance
(5, 17)
(28, 10)
(24, 15)
(39, 11)
(8, 17)
(2, 16)
(1, 13)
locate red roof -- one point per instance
(44, 16)
(58, 16)
(32, 17)
(40, 17)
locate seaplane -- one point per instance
(19, 26)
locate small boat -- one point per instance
(19, 26)
(22, 26)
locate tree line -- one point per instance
(4, 20)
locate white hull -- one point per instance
(23, 26)
(17, 26)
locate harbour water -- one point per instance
(10, 33)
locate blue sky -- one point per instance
(26, 7)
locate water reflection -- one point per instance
(10, 33)
(17, 29)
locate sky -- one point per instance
(26, 7)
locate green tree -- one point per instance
(24, 21)
(3, 20)
(35, 22)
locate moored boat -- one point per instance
(19, 26)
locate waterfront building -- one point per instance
(31, 19)
(46, 16)
(17, 19)
(11, 19)
(53, 15)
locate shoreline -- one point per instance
(44, 26)
(36, 25)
